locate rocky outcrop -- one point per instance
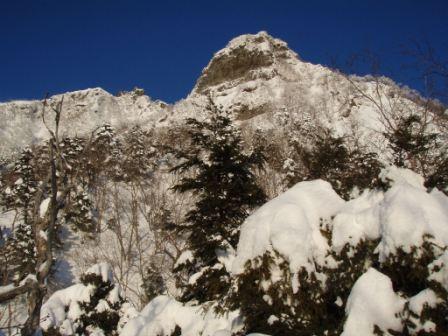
(245, 58)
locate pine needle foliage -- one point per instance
(219, 173)
(329, 157)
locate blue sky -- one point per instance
(162, 46)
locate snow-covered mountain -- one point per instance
(257, 77)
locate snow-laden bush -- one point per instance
(305, 259)
(94, 306)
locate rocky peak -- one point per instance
(245, 58)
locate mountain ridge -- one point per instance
(256, 77)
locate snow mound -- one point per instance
(358, 220)
(402, 217)
(372, 302)
(63, 306)
(289, 224)
(402, 176)
(63, 310)
(163, 314)
(408, 214)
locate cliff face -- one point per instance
(245, 58)
(83, 110)
(249, 75)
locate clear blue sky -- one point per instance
(61, 45)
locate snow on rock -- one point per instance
(82, 112)
(290, 225)
(163, 314)
(255, 76)
(372, 302)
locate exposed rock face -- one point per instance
(249, 66)
(246, 58)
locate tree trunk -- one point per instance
(35, 298)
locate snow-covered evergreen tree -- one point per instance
(79, 212)
(153, 283)
(95, 306)
(19, 248)
(21, 192)
(328, 157)
(105, 154)
(137, 153)
(411, 142)
(226, 192)
(416, 145)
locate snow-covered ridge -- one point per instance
(256, 76)
(82, 112)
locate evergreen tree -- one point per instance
(21, 193)
(72, 152)
(153, 283)
(418, 147)
(105, 154)
(97, 312)
(19, 248)
(79, 212)
(23, 251)
(411, 143)
(226, 192)
(328, 157)
(137, 153)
